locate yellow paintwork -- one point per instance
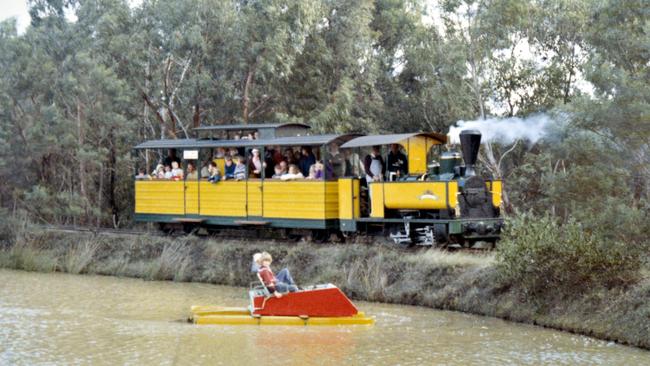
(203, 310)
(241, 316)
(225, 198)
(191, 197)
(417, 148)
(221, 164)
(160, 197)
(412, 195)
(254, 192)
(301, 199)
(496, 187)
(419, 195)
(376, 200)
(349, 198)
(274, 199)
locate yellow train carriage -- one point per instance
(312, 204)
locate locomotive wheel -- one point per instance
(395, 230)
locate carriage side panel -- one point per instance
(225, 198)
(160, 197)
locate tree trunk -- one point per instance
(112, 167)
(80, 143)
(247, 88)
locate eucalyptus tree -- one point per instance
(619, 69)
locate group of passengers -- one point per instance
(283, 165)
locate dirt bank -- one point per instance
(460, 282)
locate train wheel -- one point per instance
(189, 228)
(401, 236)
(320, 236)
(164, 228)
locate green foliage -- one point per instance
(539, 254)
(76, 96)
(24, 256)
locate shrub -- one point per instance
(538, 254)
(172, 264)
(79, 256)
(8, 229)
(22, 256)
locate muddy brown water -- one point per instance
(61, 319)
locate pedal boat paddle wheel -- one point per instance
(314, 305)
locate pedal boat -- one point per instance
(314, 305)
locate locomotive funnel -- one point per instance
(470, 141)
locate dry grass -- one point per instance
(23, 256)
(79, 256)
(172, 264)
(453, 259)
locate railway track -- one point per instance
(250, 235)
(97, 230)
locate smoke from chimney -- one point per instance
(506, 130)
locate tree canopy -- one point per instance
(88, 79)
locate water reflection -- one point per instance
(65, 319)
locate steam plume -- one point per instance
(506, 130)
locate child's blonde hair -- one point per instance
(265, 256)
(257, 258)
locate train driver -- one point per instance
(397, 162)
(374, 165)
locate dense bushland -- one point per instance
(539, 254)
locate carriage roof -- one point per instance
(312, 140)
(373, 140)
(254, 126)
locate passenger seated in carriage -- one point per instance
(142, 175)
(316, 171)
(192, 174)
(159, 172)
(177, 172)
(282, 283)
(293, 174)
(168, 172)
(240, 169)
(214, 175)
(229, 168)
(277, 172)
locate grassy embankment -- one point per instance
(456, 281)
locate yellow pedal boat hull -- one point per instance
(241, 316)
